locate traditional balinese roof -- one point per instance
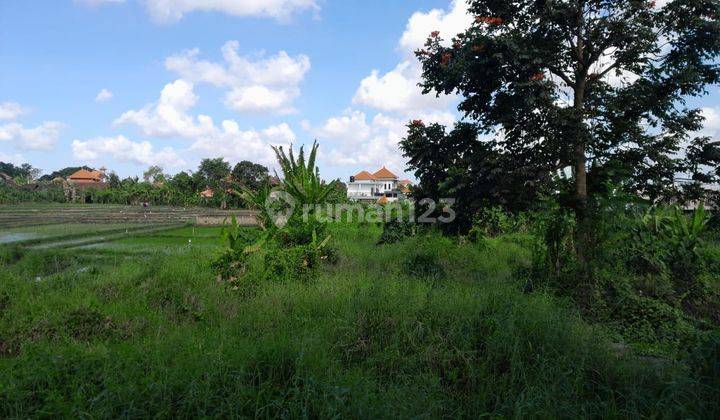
(382, 200)
(85, 175)
(384, 173)
(208, 193)
(364, 176)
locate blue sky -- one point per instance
(183, 83)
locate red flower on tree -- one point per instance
(417, 123)
(434, 34)
(537, 76)
(446, 57)
(489, 20)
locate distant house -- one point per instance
(85, 177)
(83, 180)
(382, 186)
(207, 193)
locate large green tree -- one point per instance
(595, 87)
(213, 171)
(250, 175)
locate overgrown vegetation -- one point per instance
(427, 326)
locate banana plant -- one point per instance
(301, 178)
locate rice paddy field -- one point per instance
(134, 324)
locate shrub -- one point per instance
(664, 240)
(293, 264)
(300, 232)
(395, 231)
(230, 265)
(494, 221)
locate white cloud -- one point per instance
(353, 140)
(42, 137)
(16, 159)
(397, 90)
(260, 98)
(449, 23)
(261, 83)
(173, 10)
(11, 110)
(233, 143)
(375, 142)
(349, 126)
(168, 116)
(711, 126)
(104, 95)
(124, 150)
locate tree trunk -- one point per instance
(580, 169)
(579, 151)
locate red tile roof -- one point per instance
(364, 176)
(83, 175)
(384, 174)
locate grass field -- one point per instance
(139, 327)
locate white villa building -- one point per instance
(382, 186)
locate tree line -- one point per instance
(155, 186)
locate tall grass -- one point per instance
(156, 335)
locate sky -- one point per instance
(127, 84)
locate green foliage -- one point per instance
(423, 264)
(212, 171)
(668, 241)
(292, 264)
(457, 164)
(301, 178)
(514, 66)
(25, 170)
(250, 175)
(300, 232)
(395, 230)
(494, 221)
(359, 339)
(232, 262)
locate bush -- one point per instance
(294, 264)
(299, 232)
(395, 231)
(230, 265)
(494, 221)
(655, 324)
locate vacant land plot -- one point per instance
(140, 327)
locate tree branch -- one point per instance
(565, 78)
(597, 76)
